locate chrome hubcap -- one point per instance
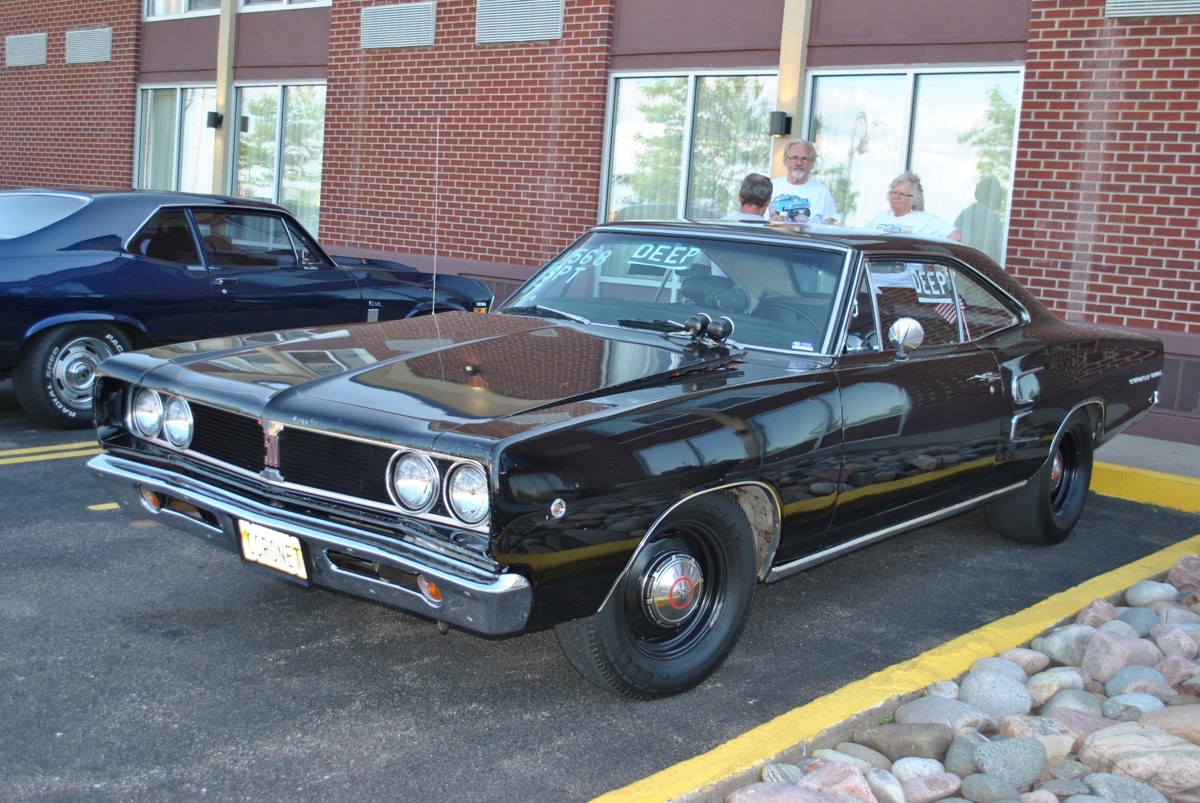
(1056, 471)
(75, 370)
(671, 590)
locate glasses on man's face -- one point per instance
(795, 158)
(895, 194)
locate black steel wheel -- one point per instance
(678, 608)
(57, 369)
(1046, 510)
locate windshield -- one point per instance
(778, 296)
(22, 213)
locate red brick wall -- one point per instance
(69, 124)
(1106, 195)
(477, 152)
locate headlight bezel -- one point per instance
(454, 480)
(146, 423)
(180, 439)
(422, 460)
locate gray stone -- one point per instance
(960, 755)
(1145, 592)
(996, 694)
(1129, 707)
(1173, 640)
(949, 689)
(1120, 682)
(873, 757)
(1043, 685)
(1125, 790)
(764, 792)
(928, 788)
(958, 715)
(1030, 661)
(1065, 787)
(782, 773)
(1065, 645)
(825, 754)
(1057, 738)
(1074, 700)
(1067, 770)
(1019, 760)
(911, 767)
(984, 788)
(885, 786)
(897, 741)
(1002, 665)
(1086, 799)
(1140, 619)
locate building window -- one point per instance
(280, 141)
(175, 147)
(680, 145)
(256, 5)
(179, 8)
(955, 129)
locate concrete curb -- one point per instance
(739, 762)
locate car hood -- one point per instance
(483, 376)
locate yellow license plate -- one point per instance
(268, 547)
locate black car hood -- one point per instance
(488, 376)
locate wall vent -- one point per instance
(1151, 8)
(405, 25)
(24, 50)
(518, 20)
(89, 45)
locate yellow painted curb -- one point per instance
(749, 752)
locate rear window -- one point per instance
(22, 213)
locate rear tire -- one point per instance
(678, 608)
(53, 379)
(1048, 507)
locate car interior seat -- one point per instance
(718, 292)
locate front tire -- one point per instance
(678, 608)
(54, 378)
(1048, 507)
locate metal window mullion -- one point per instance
(910, 118)
(177, 140)
(281, 115)
(685, 156)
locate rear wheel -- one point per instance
(54, 378)
(1047, 509)
(677, 610)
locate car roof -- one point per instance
(147, 198)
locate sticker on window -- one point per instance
(801, 345)
(933, 285)
(664, 256)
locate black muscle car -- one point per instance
(84, 275)
(662, 417)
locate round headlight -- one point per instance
(467, 493)
(414, 481)
(147, 413)
(177, 422)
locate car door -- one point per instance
(922, 427)
(267, 273)
(161, 280)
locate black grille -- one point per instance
(336, 465)
(323, 462)
(228, 437)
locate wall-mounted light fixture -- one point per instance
(779, 124)
(215, 119)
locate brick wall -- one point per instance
(1106, 195)
(475, 152)
(69, 124)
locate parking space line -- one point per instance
(33, 454)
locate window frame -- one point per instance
(147, 16)
(140, 154)
(693, 77)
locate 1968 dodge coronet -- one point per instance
(661, 418)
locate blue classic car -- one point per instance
(661, 418)
(85, 275)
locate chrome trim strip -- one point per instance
(808, 561)
(472, 598)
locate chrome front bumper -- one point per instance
(491, 604)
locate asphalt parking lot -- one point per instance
(141, 664)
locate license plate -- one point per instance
(268, 547)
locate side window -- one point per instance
(311, 257)
(951, 306)
(168, 238)
(238, 239)
(862, 331)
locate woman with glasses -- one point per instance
(907, 214)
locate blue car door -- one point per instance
(267, 274)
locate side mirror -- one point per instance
(905, 334)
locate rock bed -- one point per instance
(1104, 708)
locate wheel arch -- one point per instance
(130, 326)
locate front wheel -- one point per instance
(1048, 507)
(678, 608)
(54, 378)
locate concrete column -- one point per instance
(793, 62)
(223, 147)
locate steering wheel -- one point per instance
(792, 314)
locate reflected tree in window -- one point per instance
(730, 141)
(653, 184)
(993, 139)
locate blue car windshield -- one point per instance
(778, 296)
(22, 213)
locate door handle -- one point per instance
(987, 377)
(224, 281)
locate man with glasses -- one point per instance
(796, 196)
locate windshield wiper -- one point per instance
(654, 326)
(546, 312)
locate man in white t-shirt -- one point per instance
(796, 196)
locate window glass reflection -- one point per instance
(728, 140)
(647, 148)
